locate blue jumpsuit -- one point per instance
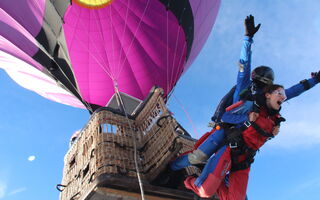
(210, 145)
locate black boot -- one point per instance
(170, 178)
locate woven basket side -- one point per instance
(106, 146)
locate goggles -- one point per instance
(281, 93)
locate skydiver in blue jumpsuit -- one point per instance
(261, 76)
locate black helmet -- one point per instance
(263, 74)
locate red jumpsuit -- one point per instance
(220, 164)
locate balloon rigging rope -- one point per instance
(134, 142)
(133, 38)
(37, 5)
(88, 106)
(167, 37)
(41, 48)
(123, 34)
(178, 72)
(172, 81)
(122, 105)
(171, 93)
(112, 39)
(188, 116)
(174, 76)
(174, 59)
(101, 65)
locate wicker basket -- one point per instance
(106, 146)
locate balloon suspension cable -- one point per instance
(87, 105)
(133, 39)
(122, 106)
(41, 47)
(173, 75)
(188, 116)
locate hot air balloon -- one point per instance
(83, 52)
(80, 52)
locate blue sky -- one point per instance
(286, 167)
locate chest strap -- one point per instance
(238, 147)
(259, 130)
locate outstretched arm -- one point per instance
(303, 86)
(243, 79)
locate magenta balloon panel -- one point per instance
(80, 56)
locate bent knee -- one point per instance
(197, 157)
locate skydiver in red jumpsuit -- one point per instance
(257, 122)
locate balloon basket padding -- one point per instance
(101, 160)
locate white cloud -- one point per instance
(308, 185)
(298, 134)
(16, 191)
(314, 183)
(3, 188)
(302, 128)
(31, 158)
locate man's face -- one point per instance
(276, 98)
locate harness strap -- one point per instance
(233, 138)
(236, 165)
(259, 130)
(238, 147)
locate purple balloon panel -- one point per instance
(132, 44)
(205, 13)
(9, 48)
(31, 78)
(28, 13)
(20, 22)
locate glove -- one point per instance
(316, 75)
(279, 120)
(251, 29)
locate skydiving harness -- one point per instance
(235, 141)
(234, 137)
(238, 146)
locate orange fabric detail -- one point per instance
(235, 105)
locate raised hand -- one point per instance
(251, 29)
